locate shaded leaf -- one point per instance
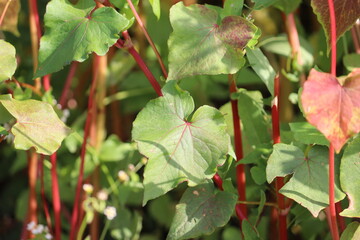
(233, 8)
(249, 231)
(346, 13)
(8, 60)
(335, 110)
(287, 6)
(352, 61)
(259, 4)
(113, 150)
(180, 144)
(37, 125)
(201, 46)
(350, 178)
(10, 20)
(155, 4)
(200, 211)
(71, 34)
(307, 134)
(352, 232)
(307, 185)
(262, 67)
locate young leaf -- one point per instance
(37, 125)
(198, 45)
(346, 13)
(181, 145)
(200, 211)
(71, 33)
(332, 106)
(352, 232)
(7, 60)
(155, 4)
(307, 185)
(350, 177)
(10, 20)
(262, 67)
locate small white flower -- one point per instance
(123, 177)
(102, 195)
(38, 229)
(88, 188)
(48, 236)
(31, 225)
(110, 212)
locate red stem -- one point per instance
(332, 209)
(34, 11)
(355, 33)
(32, 173)
(279, 182)
(56, 198)
(76, 210)
(241, 209)
(143, 28)
(43, 198)
(130, 48)
(67, 85)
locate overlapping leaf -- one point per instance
(307, 185)
(333, 105)
(37, 125)
(350, 178)
(198, 45)
(7, 60)
(181, 145)
(10, 20)
(346, 13)
(71, 33)
(201, 210)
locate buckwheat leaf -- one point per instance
(200, 211)
(155, 4)
(7, 60)
(71, 33)
(335, 111)
(351, 232)
(259, 4)
(307, 185)
(350, 178)
(181, 145)
(198, 45)
(346, 13)
(37, 125)
(10, 20)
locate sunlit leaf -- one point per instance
(7, 60)
(201, 210)
(37, 125)
(155, 4)
(180, 144)
(71, 33)
(200, 44)
(350, 178)
(10, 20)
(352, 232)
(346, 13)
(333, 105)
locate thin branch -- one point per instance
(4, 11)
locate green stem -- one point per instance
(106, 227)
(82, 228)
(126, 94)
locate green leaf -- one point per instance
(262, 67)
(180, 144)
(352, 61)
(306, 133)
(307, 185)
(71, 34)
(200, 211)
(287, 6)
(249, 231)
(162, 210)
(3, 131)
(231, 233)
(252, 114)
(37, 125)
(7, 59)
(259, 4)
(113, 150)
(350, 178)
(352, 232)
(201, 46)
(233, 8)
(155, 4)
(258, 174)
(346, 13)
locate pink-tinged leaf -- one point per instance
(333, 105)
(346, 13)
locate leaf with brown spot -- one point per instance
(333, 105)
(10, 21)
(346, 13)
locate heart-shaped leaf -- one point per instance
(198, 45)
(71, 33)
(333, 105)
(200, 211)
(350, 178)
(307, 185)
(7, 60)
(346, 13)
(37, 125)
(181, 145)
